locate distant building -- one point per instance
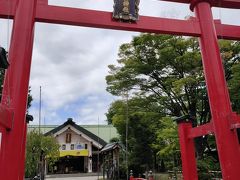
(79, 145)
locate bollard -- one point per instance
(131, 175)
(150, 175)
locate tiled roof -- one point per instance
(105, 132)
(111, 146)
(81, 129)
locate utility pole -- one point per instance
(40, 108)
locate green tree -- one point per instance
(230, 53)
(114, 139)
(235, 87)
(136, 116)
(166, 68)
(39, 145)
(167, 144)
(167, 138)
(30, 98)
(167, 72)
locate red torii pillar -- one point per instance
(224, 121)
(15, 91)
(14, 100)
(221, 111)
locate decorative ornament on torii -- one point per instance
(25, 13)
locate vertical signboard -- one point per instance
(126, 10)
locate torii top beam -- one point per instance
(89, 18)
(234, 4)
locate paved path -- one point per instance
(74, 178)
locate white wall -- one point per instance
(75, 139)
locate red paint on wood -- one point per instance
(189, 166)
(15, 90)
(201, 130)
(221, 111)
(6, 117)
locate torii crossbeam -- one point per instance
(14, 98)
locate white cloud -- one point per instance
(71, 66)
(5, 32)
(70, 63)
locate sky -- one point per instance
(70, 63)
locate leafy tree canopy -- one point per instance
(163, 78)
(30, 98)
(39, 145)
(166, 68)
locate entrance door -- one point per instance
(77, 164)
(69, 164)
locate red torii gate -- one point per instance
(14, 98)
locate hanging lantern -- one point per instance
(126, 10)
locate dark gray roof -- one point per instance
(111, 146)
(81, 129)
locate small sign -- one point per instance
(126, 10)
(80, 146)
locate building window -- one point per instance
(68, 137)
(64, 147)
(72, 147)
(85, 146)
(79, 146)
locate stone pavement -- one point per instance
(78, 176)
(74, 178)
